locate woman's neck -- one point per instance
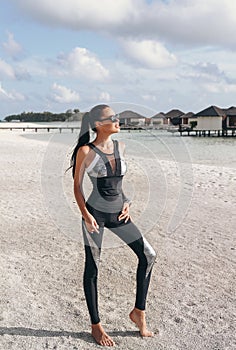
(104, 141)
(105, 144)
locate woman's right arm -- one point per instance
(90, 221)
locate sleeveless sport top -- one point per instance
(107, 194)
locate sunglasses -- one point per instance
(113, 118)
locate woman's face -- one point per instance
(107, 124)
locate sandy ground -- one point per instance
(191, 301)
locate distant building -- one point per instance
(174, 116)
(130, 118)
(229, 122)
(210, 118)
(187, 118)
(158, 120)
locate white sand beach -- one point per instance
(191, 301)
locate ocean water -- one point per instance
(217, 151)
(160, 167)
(160, 145)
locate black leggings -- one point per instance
(131, 235)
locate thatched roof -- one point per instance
(188, 115)
(130, 114)
(230, 111)
(211, 111)
(160, 115)
(174, 113)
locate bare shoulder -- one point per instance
(82, 154)
(85, 155)
(84, 150)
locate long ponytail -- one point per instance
(89, 119)
(83, 139)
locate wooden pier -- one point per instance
(36, 128)
(203, 133)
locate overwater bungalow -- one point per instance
(131, 119)
(187, 118)
(174, 116)
(158, 120)
(210, 119)
(229, 122)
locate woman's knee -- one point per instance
(149, 252)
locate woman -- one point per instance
(108, 207)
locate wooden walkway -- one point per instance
(184, 131)
(204, 133)
(36, 128)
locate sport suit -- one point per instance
(105, 204)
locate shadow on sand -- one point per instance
(86, 336)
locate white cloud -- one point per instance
(35, 66)
(6, 70)
(22, 73)
(149, 53)
(220, 87)
(64, 95)
(18, 72)
(184, 22)
(104, 96)
(189, 22)
(203, 71)
(81, 63)
(79, 14)
(13, 95)
(12, 47)
(149, 97)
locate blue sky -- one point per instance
(66, 54)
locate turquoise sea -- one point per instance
(160, 144)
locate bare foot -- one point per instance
(138, 317)
(100, 335)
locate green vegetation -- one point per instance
(69, 115)
(193, 124)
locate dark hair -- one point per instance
(88, 120)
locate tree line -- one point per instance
(43, 116)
